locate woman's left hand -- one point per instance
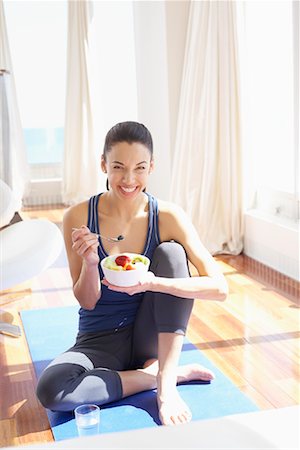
(143, 285)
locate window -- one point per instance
(37, 33)
(37, 38)
(271, 109)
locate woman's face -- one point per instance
(128, 167)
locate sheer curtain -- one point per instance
(14, 170)
(206, 172)
(81, 166)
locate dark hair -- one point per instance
(129, 132)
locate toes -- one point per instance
(195, 372)
(209, 376)
(187, 416)
(206, 374)
(176, 419)
(181, 418)
(173, 411)
(166, 420)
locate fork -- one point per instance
(110, 239)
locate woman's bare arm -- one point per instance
(210, 284)
(81, 246)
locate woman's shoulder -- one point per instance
(172, 221)
(171, 214)
(169, 208)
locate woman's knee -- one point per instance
(170, 260)
(47, 388)
(57, 379)
(62, 387)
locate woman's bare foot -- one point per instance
(191, 372)
(172, 409)
(188, 372)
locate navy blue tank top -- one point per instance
(116, 309)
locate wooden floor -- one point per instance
(253, 337)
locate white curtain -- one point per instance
(14, 169)
(81, 165)
(206, 172)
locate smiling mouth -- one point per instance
(128, 190)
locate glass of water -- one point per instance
(87, 419)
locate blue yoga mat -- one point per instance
(49, 332)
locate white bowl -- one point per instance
(125, 278)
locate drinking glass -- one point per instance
(87, 419)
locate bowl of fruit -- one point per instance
(125, 269)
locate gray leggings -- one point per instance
(88, 372)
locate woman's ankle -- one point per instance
(166, 384)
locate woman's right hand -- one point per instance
(85, 244)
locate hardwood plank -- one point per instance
(259, 399)
(8, 432)
(291, 387)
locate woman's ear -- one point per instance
(103, 165)
(151, 168)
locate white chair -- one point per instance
(27, 247)
(8, 204)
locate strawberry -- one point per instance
(129, 267)
(122, 260)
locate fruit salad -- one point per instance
(125, 262)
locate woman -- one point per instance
(130, 338)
